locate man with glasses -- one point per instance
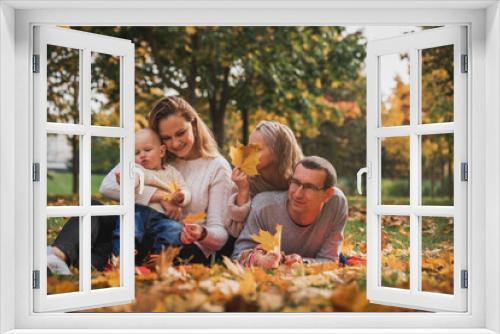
(312, 214)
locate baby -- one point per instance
(150, 221)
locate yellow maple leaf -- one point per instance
(246, 157)
(172, 187)
(193, 219)
(268, 241)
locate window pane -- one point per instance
(105, 255)
(437, 254)
(437, 169)
(105, 156)
(105, 103)
(61, 278)
(395, 244)
(63, 170)
(395, 170)
(395, 89)
(437, 84)
(63, 85)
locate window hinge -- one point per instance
(465, 64)
(465, 279)
(36, 279)
(36, 63)
(36, 172)
(464, 172)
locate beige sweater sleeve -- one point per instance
(236, 216)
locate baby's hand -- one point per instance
(178, 196)
(117, 175)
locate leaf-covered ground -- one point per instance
(227, 287)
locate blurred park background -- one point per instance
(310, 78)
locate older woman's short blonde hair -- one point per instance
(287, 152)
(204, 141)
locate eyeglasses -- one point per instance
(307, 189)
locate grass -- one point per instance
(62, 182)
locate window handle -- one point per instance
(139, 171)
(368, 171)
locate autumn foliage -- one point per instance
(228, 287)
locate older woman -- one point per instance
(279, 155)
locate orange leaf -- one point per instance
(193, 219)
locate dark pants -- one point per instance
(68, 240)
(191, 254)
(102, 227)
(153, 225)
(227, 249)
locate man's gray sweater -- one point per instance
(318, 242)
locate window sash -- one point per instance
(414, 298)
(86, 43)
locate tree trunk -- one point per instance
(75, 163)
(193, 72)
(245, 125)
(217, 117)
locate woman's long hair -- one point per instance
(204, 141)
(287, 152)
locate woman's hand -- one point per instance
(191, 233)
(241, 181)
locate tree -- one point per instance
(271, 72)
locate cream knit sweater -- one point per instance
(210, 182)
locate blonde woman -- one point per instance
(192, 150)
(280, 153)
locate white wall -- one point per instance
(492, 167)
(481, 107)
(7, 158)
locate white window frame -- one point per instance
(16, 21)
(413, 44)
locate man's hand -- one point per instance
(293, 258)
(270, 260)
(191, 233)
(178, 196)
(117, 176)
